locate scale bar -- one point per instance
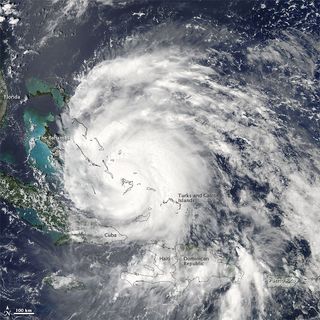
(23, 313)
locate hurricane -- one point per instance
(160, 159)
(167, 152)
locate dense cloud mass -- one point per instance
(183, 144)
(165, 150)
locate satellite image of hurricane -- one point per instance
(160, 159)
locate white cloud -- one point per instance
(148, 127)
(137, 156)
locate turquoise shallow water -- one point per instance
(36, 118)
(31, 216)
(37, 87)
(39, 153)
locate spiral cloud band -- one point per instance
(165, 151)
(136, 153)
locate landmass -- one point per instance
(40, 143)
(60, 282)
(39, 153)
(35, 203)
(37, 206)
(38, 87)
(181, 266)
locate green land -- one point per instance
(35, 203)
(37, 206)
(30, 197)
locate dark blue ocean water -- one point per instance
(28, 255)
